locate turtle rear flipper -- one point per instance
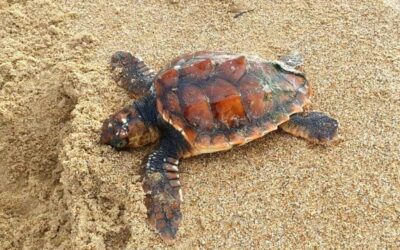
(164, 197)
(131, 73)
(315, 127)
(294, 59)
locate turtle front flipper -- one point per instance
(164, 197)
(131, 73)
(315, 127)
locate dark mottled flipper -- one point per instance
(313, 126)
(131, 73)
(164, 196)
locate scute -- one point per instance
(198, 70)
(170, 78)
(225, 101)
(253, 96)
(233, 70)
(172, 102)
(196, 109)
(218, 89)
(219, 100)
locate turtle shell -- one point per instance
(218, 100)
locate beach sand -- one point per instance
(61, 189)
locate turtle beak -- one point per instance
(106, 132)
(110, 131)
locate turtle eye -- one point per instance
(120, 143)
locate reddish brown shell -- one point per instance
(218, 100)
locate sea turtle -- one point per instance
(202, 103)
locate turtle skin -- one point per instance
(219, 100)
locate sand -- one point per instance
(61, 189)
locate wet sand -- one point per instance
(59, 188)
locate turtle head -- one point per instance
(127, 128)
